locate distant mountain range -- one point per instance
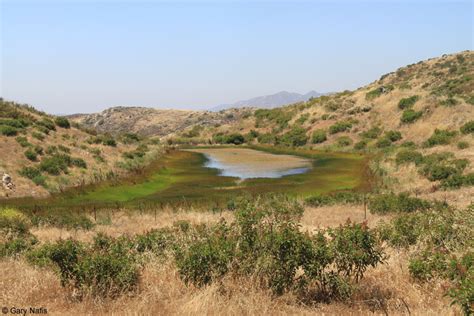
(270, 101)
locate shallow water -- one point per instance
(246, 163)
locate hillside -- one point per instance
(270, 101)
(421, 109)
(153, 122)
(45, 154)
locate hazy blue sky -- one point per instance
(66, 57)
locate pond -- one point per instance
(210, 175)
(244, 163)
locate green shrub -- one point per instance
(408, 144)
(31, 155)
(56, 164)
(303, 118)
(440, 137)
(393, 136)
(295, 137)
(403, 231)
(279, 115)
(408, 156)
(17, 123)
(372, 133)
(14, 246)
(341, 126)
(108, 140)
(78, 162)
(13, 222)
(264, 242)
(62, 122)
(319, 136)
(30, 172)
(64, 149)
(236, 139)
(38, 149)
(14, 229)
(63, 219)
(410, 116)
(343, 197)
(407, 103)
(467, 128)
(23, 141)
(46, 125)
(383, 143)
(378, 92)
(360, 145)
(7, 130)
(344, 141)
(449, 102)
(401, 203)
(37, 135)
(463, 145)
(267, 138)
(207, 259)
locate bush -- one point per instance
(101, 272)
(62, 122)
(393, 136)
(360, 145)
(38, 149)
(377, 92)
(449, 102)
(344, 141)
(407, 103)
(31, 155)
(463, 145)
(440, 137)
(207, 259)
(56, 164)
(401, 203)
(408, 156)
(46, 125)
(14, 229)
(236, 139)
(410, 116)
(295, 137)
(372, 133)
(37, 135)
(267, 138)
(264, 242)
(383, 142)
(467, 128)
(23, 141)
(8, 130)
(63, 219)
(343, 197)
(78, 162)
(108, 140)
(341, 126)
(319, 136)
(30, 172)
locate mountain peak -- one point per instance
(270, 101)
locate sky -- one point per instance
(84, 56)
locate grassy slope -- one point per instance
(13, 159)
(444, 87)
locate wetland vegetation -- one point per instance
(182, 175)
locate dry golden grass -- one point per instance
(130, 223)
(386, 289)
